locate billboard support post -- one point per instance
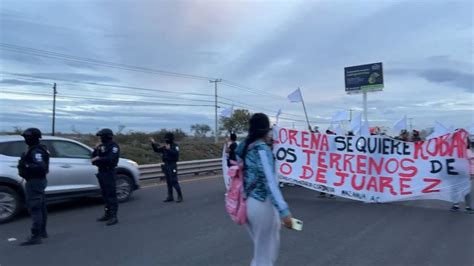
(364, 100)
(363, 79)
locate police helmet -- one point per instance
(105, 132)
(32, 132)
(169, 137)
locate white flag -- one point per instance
(365, 130)
(356, 123)
(338, 130)
(227, 112)
(295, 96)
(439, 130)
(340, 116)
(278, 116)
(400, 125)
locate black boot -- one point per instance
(168, 199)
(104, 217)
(44, 234)
(180, 198)
(113, 220)
(34, 239)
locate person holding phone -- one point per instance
(266, 207)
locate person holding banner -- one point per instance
(467, 198)
(265, 203)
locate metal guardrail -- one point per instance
(150, 171)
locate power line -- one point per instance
(106, 85)
(106, 100)
(84, 60)
(77, 59)
(256, 91)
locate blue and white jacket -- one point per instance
(259, 175)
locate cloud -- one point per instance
(295, 43)
(449, 77)
(17, 82)
(459, 79)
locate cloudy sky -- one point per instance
(146, 65)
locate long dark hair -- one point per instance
(259, 125)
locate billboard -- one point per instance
(364, 78)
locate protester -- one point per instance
(467, 198)
(403, 135)
(230, 149)
(415, 135)
(265, 203)
(34, 167)
(314, 130)
(322, 194)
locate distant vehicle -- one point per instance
(71, 173)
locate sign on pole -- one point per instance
(364, 78)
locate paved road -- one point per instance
(198, 232)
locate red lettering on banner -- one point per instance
(432, 147)
(304, 139)
(292, 137)
(308, 155)
(410, 170)
(324, 143)
(343, 177)
(387, 164)
(361, 164)
(419, 150)
(386, 182)
(347, 162)
(321, 175)
(447, 145)
(444, 145)
(307, 169)
(322, 160)
(334, 161)
(372, 184)
(460, 143)
(403, 185)
(315, 138)
(358, 186)
(432, 184)
(286, 169)
(373, 164)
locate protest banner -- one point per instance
(374, 168)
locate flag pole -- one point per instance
(304, 108)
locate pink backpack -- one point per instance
(235, 198)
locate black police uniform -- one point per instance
(109, 154)
(170, 158)
(33, 167)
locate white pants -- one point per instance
(263, 224)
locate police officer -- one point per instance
(170, 156)
(33, 167)
(106, 156)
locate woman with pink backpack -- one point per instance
(266, 208)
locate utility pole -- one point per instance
(411, 125)
(215, 87)
(350, 115)
(54, 105)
